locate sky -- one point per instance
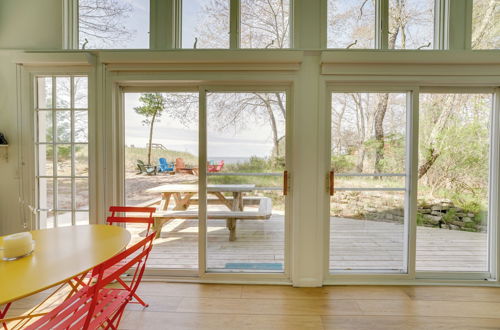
(255, 140)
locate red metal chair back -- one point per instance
(135, 257)
(131, 209)
(94, 305)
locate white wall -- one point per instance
(31, 24)
(24, 24)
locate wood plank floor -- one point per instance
(354, 244)
(214, 306)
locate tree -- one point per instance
(153, 106)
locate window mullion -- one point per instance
(381, 24)
(234, 24)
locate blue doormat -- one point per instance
(254, 265)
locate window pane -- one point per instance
(45, 131)
(452, 214)
(46, 219)
(205, 24)
(46, 193)
(64, 160)
(486, 24)
(82, 194)
(113, 24)
(81, 126)
(64, 194)
(63, 92)
(64, 219)
(351, 24)
(81, 92)
(265, 24)
(45, 92)
(63, 126)
(81, 160)
(411, 24)
(45, 159)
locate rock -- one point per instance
(436, 213)
(443, 226)
(470, 215)
(461, 215)
(399, 219)
(424, 211)
(453, 227)
(432, 219)
(440, 207)
(458, 223)
(388, 216)
(467, 219)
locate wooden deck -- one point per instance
(355, 244)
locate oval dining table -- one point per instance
(60, 255)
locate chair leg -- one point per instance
(3, 313)
(139, 300)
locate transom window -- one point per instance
(353, 24)
(62, 150)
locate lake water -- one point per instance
(230, 160)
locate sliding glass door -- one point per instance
(411, 183)
(368, 182)
(160, 163)
(246, 174)
(453, 182)
(213, 164)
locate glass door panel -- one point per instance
(452, 215)
(245, 168)
(368, 182)
(161, 157)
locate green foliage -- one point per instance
(342, 163)
(420, 219)
(450, 216)
(253, 165)
(153, 105)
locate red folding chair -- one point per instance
(149, 220)
(95, 305)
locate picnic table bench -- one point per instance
(263, 212)
(184, 196)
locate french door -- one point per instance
(62, 150)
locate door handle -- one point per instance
(285, 183)
(331, 183)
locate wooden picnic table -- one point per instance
(183, 195)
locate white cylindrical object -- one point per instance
(17, 245)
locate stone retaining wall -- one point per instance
(389, 207)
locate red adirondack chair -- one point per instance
(215, 167)
(96, 306)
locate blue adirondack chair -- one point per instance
(165, 166)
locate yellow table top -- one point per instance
(60, 254)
